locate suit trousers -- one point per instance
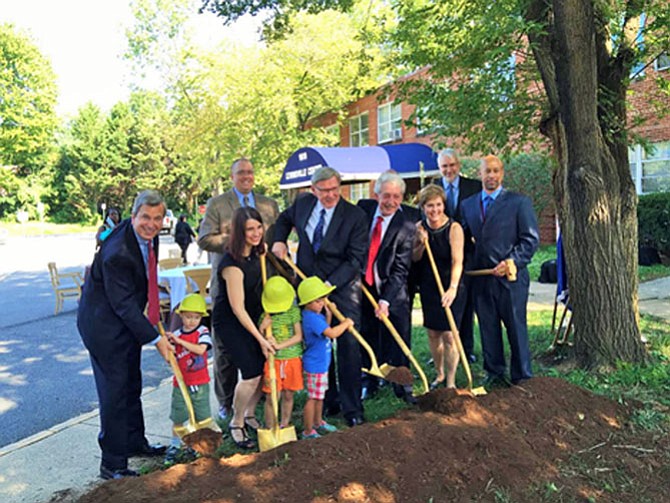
(498, 303)
(225, 373)
(118, 380)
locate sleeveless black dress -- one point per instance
(245, 352)
(434, 316)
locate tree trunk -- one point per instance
(597, 200)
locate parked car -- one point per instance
(169, 222)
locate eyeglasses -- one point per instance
(327, 190)
(244, 172)
(449, 164)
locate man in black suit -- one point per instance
(457, 189)
(386, 274)
(113, 327)
(504, 227)
(333, 238)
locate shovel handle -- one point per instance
(274, 395)
(450, 316)
(374, 367)
(399, 340)
(180, 379)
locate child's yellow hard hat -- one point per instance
(193, 303)
(278, 295)
(312, 288)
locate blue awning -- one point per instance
(410, 160)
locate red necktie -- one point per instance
(153, 308)
(375, 241)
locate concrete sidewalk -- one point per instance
(62, 463)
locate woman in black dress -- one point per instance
(446, 240)
(236, 311)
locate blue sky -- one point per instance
(84, 39)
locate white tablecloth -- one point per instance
(177, 281)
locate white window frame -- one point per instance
(359, 136)
(639, 159)
(389, 128)
(358, 191)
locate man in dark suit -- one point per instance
(504, 226)
(333, 239)
(457, 189)
(113, 327)
(213, 237)
(386, 274)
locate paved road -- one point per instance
(45, 373)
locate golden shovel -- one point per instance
(452, 324)
(275, 436)
(192, 424)
(375, 370)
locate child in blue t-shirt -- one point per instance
(317, 335)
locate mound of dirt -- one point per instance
(204, 442)
(526, 442)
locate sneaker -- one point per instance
(310, 434)
(325, 427)
(171, 455)
(223, 412)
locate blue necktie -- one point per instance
(318, 231)
(487, 202)
(451, 200)
(245, 201)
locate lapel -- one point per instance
(232, 200)
(496, 208)
(394, 226)
(305, 212)
(335, 223)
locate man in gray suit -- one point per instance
(213, 237)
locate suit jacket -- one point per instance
(111, 309)
(394, 257)
(215, 227)
(466, 188)
(509, 231)
(343, 251)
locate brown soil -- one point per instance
(204, 442)
(544, 441)
(400, 375)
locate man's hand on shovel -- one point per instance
(164, 347)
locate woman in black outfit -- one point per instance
(236, 312)
(183, 235)
(446, 240)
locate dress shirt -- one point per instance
(314, 220)
(240, 198)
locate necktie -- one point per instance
(153, 308)
(245, 201)
(451, 200)
(486, 203)
(375, 242)
(318, 231)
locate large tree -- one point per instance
(564, 66)
(27, 119)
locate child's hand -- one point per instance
(266, 323)
(349, 323)
(173, 339)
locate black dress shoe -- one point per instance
(120, 473)
(149, 451)
(331, 410)
(519, 382)
(495, 381)
(355, 421)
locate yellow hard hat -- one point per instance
(278, 295)
(193, 303)
(312, 288)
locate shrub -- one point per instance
(653, 218)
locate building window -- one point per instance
(650, 169)
(662, 62)
(389, 123)
(359, 191)
(333, 133)
(358, 131)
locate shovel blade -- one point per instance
(184, 430)
(269, 439)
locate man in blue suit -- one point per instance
(113, 327)
(503, 226)
(333, 243)
(386, 276)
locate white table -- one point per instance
(177, 281)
